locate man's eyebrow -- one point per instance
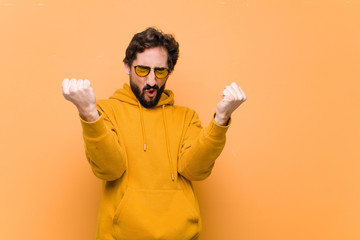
(154, 67)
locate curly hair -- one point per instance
(149, 38)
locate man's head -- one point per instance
(150, 57)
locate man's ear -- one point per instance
(127, 68)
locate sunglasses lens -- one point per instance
(142, 71)
(161, 73)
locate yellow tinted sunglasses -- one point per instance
(143, 71)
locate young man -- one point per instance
(146, 149)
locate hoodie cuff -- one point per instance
(216, 130)
(94, 129)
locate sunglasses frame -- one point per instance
(154, 69)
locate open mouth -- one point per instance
(151, 93)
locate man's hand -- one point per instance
(82, 95)
(232, 97)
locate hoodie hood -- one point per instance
(126, 95)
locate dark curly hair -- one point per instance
(149, 38)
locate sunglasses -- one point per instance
(143, 71)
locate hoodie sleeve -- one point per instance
(200, 148)
(103, 150)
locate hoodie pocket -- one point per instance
(156, 214)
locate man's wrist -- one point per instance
(221, 120)
(89, 116)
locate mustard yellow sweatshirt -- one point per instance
(147, 159)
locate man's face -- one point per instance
(148, 89)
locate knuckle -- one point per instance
(72, 91)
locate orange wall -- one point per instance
(290, 169)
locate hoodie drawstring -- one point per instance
(166, 137)
(167, 144)
(142, 126)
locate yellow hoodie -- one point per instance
(147, 159)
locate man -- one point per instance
(146, 149)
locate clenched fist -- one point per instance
(232, 97)
(82, 95)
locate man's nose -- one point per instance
(151, 79)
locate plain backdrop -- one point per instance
(290, 168)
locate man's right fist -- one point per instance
(82, 95)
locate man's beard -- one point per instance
(141, 95)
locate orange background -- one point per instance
(290, 169)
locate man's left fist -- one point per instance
(232, 97)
